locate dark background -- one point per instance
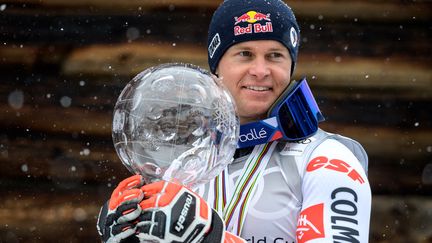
(63, 64)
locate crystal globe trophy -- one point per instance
(175, 122)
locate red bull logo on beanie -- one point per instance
(252, 17)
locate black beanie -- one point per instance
(237, 21)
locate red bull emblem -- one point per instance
(252, 17)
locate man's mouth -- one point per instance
(257, 88)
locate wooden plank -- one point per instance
(27, 57)
(364, 72)
(409, 78)
(60, 160)
(401, 219)
(57, 120)
(18, 55)
(48, 217)
(81, 121)
(382, 11)
(403, 177)
(87, 147)
(70, 161)
(120, 5)
(338, 37)
(68, 216)
(378, 140)
(354, 9)
(127, 59)
(91, 100)
(98, 59)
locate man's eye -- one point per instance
(276, 55)
(245, 53)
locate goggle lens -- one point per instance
(299, 114)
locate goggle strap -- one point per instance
(255, 133)
(294, 116)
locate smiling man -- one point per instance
(308, 186)
(256, 73)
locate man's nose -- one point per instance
(259, 68)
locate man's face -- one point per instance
(256, 73)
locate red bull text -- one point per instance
(252, 17)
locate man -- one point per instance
(311, 190)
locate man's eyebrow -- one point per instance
(242, 47)
(245, 47)
(278, 49)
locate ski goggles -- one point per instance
(293, 117)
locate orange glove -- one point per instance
(117, 218)
(159, 212)
(173, 213)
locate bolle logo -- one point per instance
(336, 165)
(311, 224)
(182, 218)
(253, 135)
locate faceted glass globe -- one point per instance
(175, 122)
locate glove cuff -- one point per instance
(217, 229)
(101, 221)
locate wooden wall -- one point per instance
(63, 64)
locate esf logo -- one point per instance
(336, 165)
(253, 135)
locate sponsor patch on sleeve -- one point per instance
(297, 148)
(310, 224)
